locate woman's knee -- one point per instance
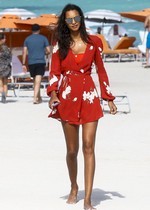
(72, 154)
(88, 148)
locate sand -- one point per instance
(33, 172)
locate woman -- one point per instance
(76, 101)
(5, 66)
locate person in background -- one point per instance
(115, 33)
(5, 67)
(147, 26)
(75, 101)
(99, 30)
(36, 46)
(117, 30)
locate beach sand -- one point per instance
(32, 151)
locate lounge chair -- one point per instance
(20, 78)
(17, 74)
(17, 71)
(123, 47)
(122, 103)
(125, 43)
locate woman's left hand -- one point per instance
(112, 107)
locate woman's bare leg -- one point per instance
(1, 85)
(5, 87)
(71, 133)
(88, 135)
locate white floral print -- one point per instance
(66, 92)
(100, 49)
(91, 47)
(107, 88)
(90, 96)
(67, 72)
(53, 79)
(93, 67)
(55, 48)
(75, 99)
(82, 71)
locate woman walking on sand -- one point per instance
(5, 67)
(76, 101)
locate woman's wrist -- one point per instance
(53, 93)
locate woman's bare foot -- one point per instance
(72, 199)
(88, 206)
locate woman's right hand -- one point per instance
(54, 100)
(112, 107)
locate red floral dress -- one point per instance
(79, 99)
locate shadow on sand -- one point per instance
(98, 196)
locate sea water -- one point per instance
(55, 6)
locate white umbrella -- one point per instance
(103, 16)
(23, 13)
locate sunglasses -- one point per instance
(76, 19)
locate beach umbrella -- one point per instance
(22, 13)
(47, 22)
(7, 23)
(103, 16)
(44, 21)
(137, 15)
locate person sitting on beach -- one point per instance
(117, 30)
(5, 66)
(114, 34)
(147, 26)
(36, 46)
(99, 30)
(75, 101)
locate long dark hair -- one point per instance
(63, 32)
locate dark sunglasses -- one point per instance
(77, 19)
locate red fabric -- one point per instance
(78, 57)
(79, 100)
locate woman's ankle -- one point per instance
(72, 198)
(88, 205)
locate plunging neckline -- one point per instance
(73, 54)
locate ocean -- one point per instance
(55, 6)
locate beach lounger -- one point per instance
(122, 103)
(123, 47)
(125, 43)
(17, 74)
(20, 79)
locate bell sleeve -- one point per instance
(54, 71)
(102, 75)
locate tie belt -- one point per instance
(77, 73)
